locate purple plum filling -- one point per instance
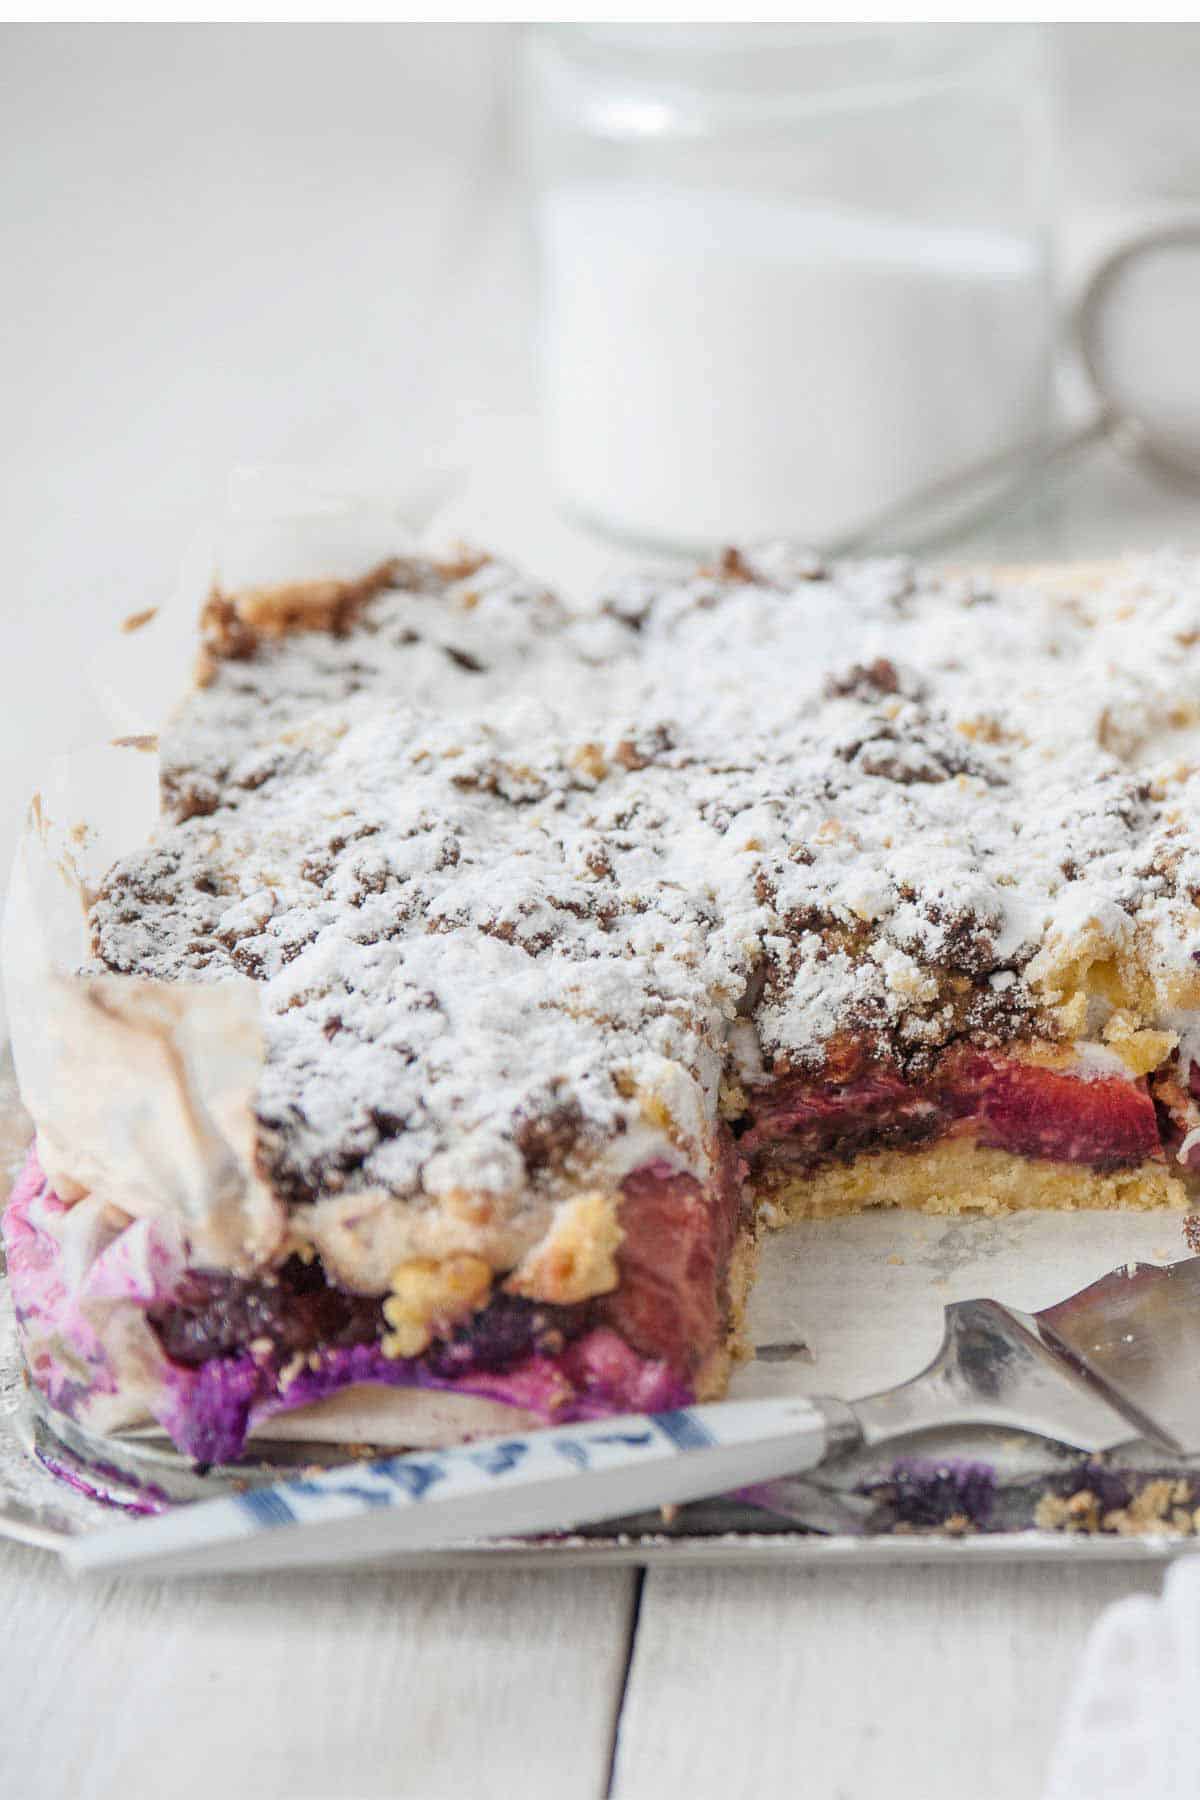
(296, 1309)
(294, 1337)
(232, 1353)
(218, 1404)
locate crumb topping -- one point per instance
(517, 881)
(410, 627)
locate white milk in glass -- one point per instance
(722, 365)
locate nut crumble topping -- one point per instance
(516, 881)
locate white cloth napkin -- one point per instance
(1132, 1722)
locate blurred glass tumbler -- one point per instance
(790, 274)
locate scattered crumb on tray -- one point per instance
(1161, 1504)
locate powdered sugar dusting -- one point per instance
(507, 903)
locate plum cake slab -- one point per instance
(580, 947)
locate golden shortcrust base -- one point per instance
(712, 1378)
(958, 1177)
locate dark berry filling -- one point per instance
(507, 1330)
(797, 1124)
(294, 1307)
(296, 1310)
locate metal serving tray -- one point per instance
(842, 1306)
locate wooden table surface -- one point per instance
(839, 1684)
(226, 247)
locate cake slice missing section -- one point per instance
(561, 1005)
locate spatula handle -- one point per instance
(544, 1481)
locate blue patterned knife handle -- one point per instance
(536, 1482)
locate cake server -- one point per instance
(1119, 1360)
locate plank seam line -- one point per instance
(619, 1709)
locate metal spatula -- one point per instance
(1119, 1360)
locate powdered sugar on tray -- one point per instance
(509, 875)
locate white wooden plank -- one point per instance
(926, 1684)
(329, 1688)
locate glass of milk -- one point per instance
(789, 274)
